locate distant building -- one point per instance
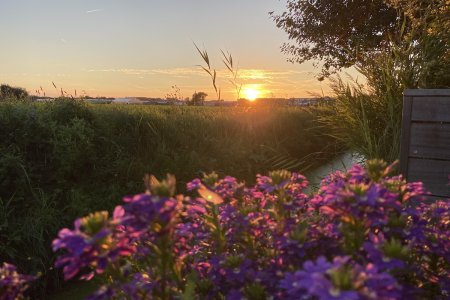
(270, 101)
(155, 101)
(126, 101)
(179, 102)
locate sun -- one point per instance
(251, 94)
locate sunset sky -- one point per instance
(121, 48)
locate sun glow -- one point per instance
(251, 94)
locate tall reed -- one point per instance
(208, 69)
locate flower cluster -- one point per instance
(340, 279)
(94, 245)
(12, 284)
(365, 234)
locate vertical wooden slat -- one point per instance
(406, 132)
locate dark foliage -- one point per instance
(198, 99)
(12, 93)
(336, 33)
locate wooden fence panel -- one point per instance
(425, 148)
(430, 140)
(433, 174)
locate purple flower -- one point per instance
(358, 237)
(379, 285)
(193, 185)
(92, 245)
(142, 210)
(228, 188)
(341, 279)
(384, 262)
(264, 183)
(310, 280)
(234, 295)
(12, 284)
(140, 287)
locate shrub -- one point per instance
(12, 93)
(364, 235)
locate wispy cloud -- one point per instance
(180, 72)
(177, 72)
(244, 74)
(271, 81)
(124, 71)
(269, 74)
(94, 10)
(64, 41)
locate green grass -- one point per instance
(76, 290)
(63, 160)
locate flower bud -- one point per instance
(395, 249)
(342, 278)
(210, 179)
(255, 291)
(280, 176)
(94, 222)
(164, 188)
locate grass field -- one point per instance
(62, 160)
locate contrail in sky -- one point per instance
(94, 10)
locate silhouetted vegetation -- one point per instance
(341, 34)
(335, 33)
(8, 93)
(198, 99)
(209, 70)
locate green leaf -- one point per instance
(189, 289)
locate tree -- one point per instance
(12, 93)
(423, 44)
(340, 34)
(335, 32)
(198, 99)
